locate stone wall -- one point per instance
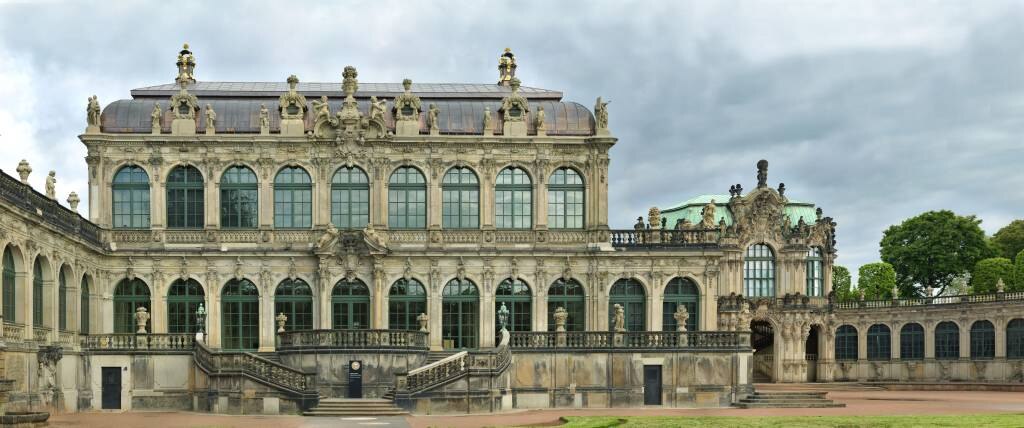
(332, 368)
(148, 381)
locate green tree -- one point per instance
(877, 280)
(987, 272)
(1018, 273)
(1009, 241)
(841, 284)
(932, 249)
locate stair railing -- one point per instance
(260, 369)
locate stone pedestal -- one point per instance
(407, 128)
(292, 127)
(183, 127)
(92, 129)
(515, 129)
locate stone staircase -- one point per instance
(355, 407)
(272, 356)
(788, 399)
(435, 356)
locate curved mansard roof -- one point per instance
(692, 208)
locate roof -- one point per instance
(691, 209)
(366, 90)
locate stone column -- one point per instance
(1000, 338)
(379, 302)
(486, 202)
(322, 199)
(212, 201)
(654, 310)
(539, 305)
(106, 314)
(323, 298)
(929, 340)
(894, 343)
(965, 341)
(51, 307)
(266, 203)
(379, 201)
(74, 304)
(157, 201)
(434, 311)
(268, 329)
(213, 316)
(540, 198)
(433, 202)
(158, 309)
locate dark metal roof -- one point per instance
(241, 116)
(316, 89)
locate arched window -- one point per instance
(460, 199)
(680, 291)
(183, 300)
(84, 313)
(879, 342)
(912, 342)
(568, 294)
(293, 199)
(1015, 339)
(983, 340)
(185, 198)
(294, 299)
(846, 343)
(407, 199)
(815, 272)
(8, 286)
(239, 198)
(350, 304)
(350, 198)
(947, 341)
(37, 293)
(630, 294)
(460, 314)
(515, 295)
(759, 271)
(129, 295)
(130, 198)
(407, 299)
(513, 200)
(565, 199)
(240, 312)
(62, 301)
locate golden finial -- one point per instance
(506, 67)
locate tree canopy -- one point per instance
(877, 280)
(1009, 240)
(841, 283)
(987, 272)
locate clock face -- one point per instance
(356, 365)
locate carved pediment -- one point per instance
(292, 104)
(407, 106)
(514, 107)
(184, 105)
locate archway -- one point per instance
(811, 353)
(762, 339)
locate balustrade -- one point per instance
(138, 342)
(41, 334)
(928, 301)
(352, 339)
(67, 338)
(265, 370)
(23, 196)
(696, 340)
(14, 332)
(667, 238)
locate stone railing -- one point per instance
(41, 334)
(130, 342)
(23, 196)
(929, 301)
(352, 339)
(260, 369)
(669, 238)
(14, 332)
(436, 373)
(67, 339)
(655, 340)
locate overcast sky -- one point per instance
(875, 111)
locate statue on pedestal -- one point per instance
(601, 113)
(51, 185)
(264, 119)
(432, 113)
(281, 319)
(423, 318)
(561, 315)
(141, 318)
(328, 239)
(92, 112)
(681, 315)
(620, 318)
(154, 118)
(211, 119)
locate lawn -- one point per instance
(973, 421)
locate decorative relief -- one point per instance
(292, 104)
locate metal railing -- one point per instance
(352, 339)
(694, 340)
(667, 238)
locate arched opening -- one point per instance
(130, 198)
(759, 271)
(912, 342)
(565, 199)
(85, 311)
(879, 342)
(293, 198)
(629, 294)
(185, 198)
(514, 295)
(407, 299)
(350, 305)
(1015, 339)
(183, 300)
(681, 292)
(294, 299)
(240, 312)
(350, 198)
(947, 341)
(460, 314)
(62, 298)
(9, 278)
(567, 294)
(762, 339)
(811, 352)
(815, 272)
(129, 296)
(513, 199)
(38, 272)
(239, 198)
(983, 340)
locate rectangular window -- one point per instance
(293, 208)
(407, 209)
(513, 209)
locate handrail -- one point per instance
(668, 340)
(352, 339)
(665, 238)
(258, 368)
(121, 342)
(931, 301)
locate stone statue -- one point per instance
(47, 359)
(707, 214)
(782, 189)
(487, 118)
(93, 112)
(264, 119)
(377, 108)
(601, 113)
(620, 318)
(560, 315)
(281, 319)
(322, 108)
(73, 201)
(506, 67)
(211, 119)
(762, 174)
(423, 318)
(639, 224)
(1000, 286)
(51, 185)
(503, 316)
(681, 315)
(154, 118)
(540, 120)
(654, 217)
(328, 239)
(895, 292)
(24, 169)
(432, 117)
(370, 234)
(141, 318)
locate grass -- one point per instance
(973, 421)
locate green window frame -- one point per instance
(570, 295)
(240, 315)
(460, 199)
(983, 340)
(185, 198)
(947, 341)
(83, 325)
(62, 301)
(350, 305)
(629, 293)
(681, 291)
(846, 343)
(879, 342)
(350, 198)
(1015, 339)
(407, 199)
(759, 271)
(815, 272)
(130, 198)
(515, 294)
(460, 314)
(9, 278)
(912, 342)
(293, 199)
(183, 300)
(239, 198)
(129, 295)
(407, 299)
(294, 299)
(37, 293)
(566, 206)
(513, 199)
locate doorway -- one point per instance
(811, 353)
(111, 388)
(762, 339)
(652, 385)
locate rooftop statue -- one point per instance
(93, 112)
(601, 113)
(762, 174)
(51, 185)
(708, 215)
(154, 118)
(506, 67)
(432, 116)
(377, 108)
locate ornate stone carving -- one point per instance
(681, 316)
(506, 67)
(292, 104)
(24, 169)
(601, 116)
(328, 239)
(560, 316)
(92, 116)
(514, 109)
(707, 214)
(186, 66)
(423, 318)
(488, 127)
(620, 318)
(264, 120)
(281, 319)
(762, 174)
(141, 318)
(184, 105)
(155, 117)
(211, 120)
(539, 122)
(51, 185)
(407, 111)
(432, 122)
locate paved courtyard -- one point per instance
(858, 401)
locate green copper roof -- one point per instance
(690, 209)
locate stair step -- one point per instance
(789, 405)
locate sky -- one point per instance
(874, 110)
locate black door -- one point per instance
(652, 385)
(111, 387)
(355, 379)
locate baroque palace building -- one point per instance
(264, 247)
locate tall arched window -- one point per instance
(879, 342)
(630, 294)
(515, 295)
(8, 286)
(407, 299)
(565, 199)
(1015, 339)
(912, 342)
(350, 198)
(130, 198)
(460, 199)
(947, 341)
(62, 301)
(759, 271)
(846, 343)
(570, 295)
(240, 312)
(680, 291)
(294, 299)
(350, 304)
(815, 272)
(407, 199)
(460, 314)
(185, 198)
(983, 340)
(37, 293)
(84, 312)
(513, 199)
(183, 300)
(239, 198)
(293, 199)
(129, 295)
